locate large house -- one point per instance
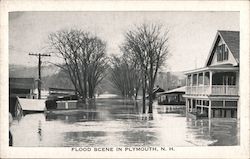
(213, 91)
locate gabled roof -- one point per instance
(32, 104)
(158, 89)
(22, 83)
(222, 67)
(232, 40)
(176, 90)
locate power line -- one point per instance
(39, 70)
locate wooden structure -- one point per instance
(20, 87)
(60, 97)
(213, 91)
(156, 90)
(61, 92)
(172, 100)
(69, 104)
(26, 106)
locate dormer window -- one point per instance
(222, 52)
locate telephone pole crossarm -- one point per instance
(39, 71)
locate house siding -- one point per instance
(222, 95)
(231, 59)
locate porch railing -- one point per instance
(212, 90)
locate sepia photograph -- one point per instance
(124, 81)
(124, 78)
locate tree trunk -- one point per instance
(143, 101)
(85, 85)
(144, 95)
(150, 105)
(150, 90)
(90, 90)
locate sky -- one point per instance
(191, 34)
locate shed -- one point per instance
(24, 105)
(20, 87)
(173, 96)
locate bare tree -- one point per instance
(148, 44)
(125, 77)
(84, 57)
(97, 63)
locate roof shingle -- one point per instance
(232, 39)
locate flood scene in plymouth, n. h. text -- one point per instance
(124, 79)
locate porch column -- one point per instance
(203, 81)
(187, 106)
(191, 102)
(197, 79)
(187, 81)
(210, 81)
(209, 110)
(202, 109)
(197, 84)
(191, 84)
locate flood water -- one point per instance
(115, 122)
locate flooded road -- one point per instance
(115, 122)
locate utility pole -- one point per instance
(39, 83)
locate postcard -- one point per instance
(124, 79)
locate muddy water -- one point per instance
(115, 122)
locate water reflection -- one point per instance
(77, 116)
(119, 123)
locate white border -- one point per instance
(241, 151)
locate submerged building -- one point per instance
(171, 101)
(22, 88)
(213, 91)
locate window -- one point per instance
(182, 99)
(226, 54)
(189, 80)
(231, 104)
(217, 103)
(229, 78)
(195, 79)
(200, 78)
(172, 98)
(219, 53)
(199, 102)
(232, 80)
(205, 102)
(206, 82)
(222, 52)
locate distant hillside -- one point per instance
(57, 80)
(27, 71)
(53, 77)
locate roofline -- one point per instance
(60, 89)
(175, 90)
(22, 78)
(237, 60)
(211, 48)
(213, 68)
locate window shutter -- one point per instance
(223, 52)
(226, 53)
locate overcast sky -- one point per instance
(191, 33)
